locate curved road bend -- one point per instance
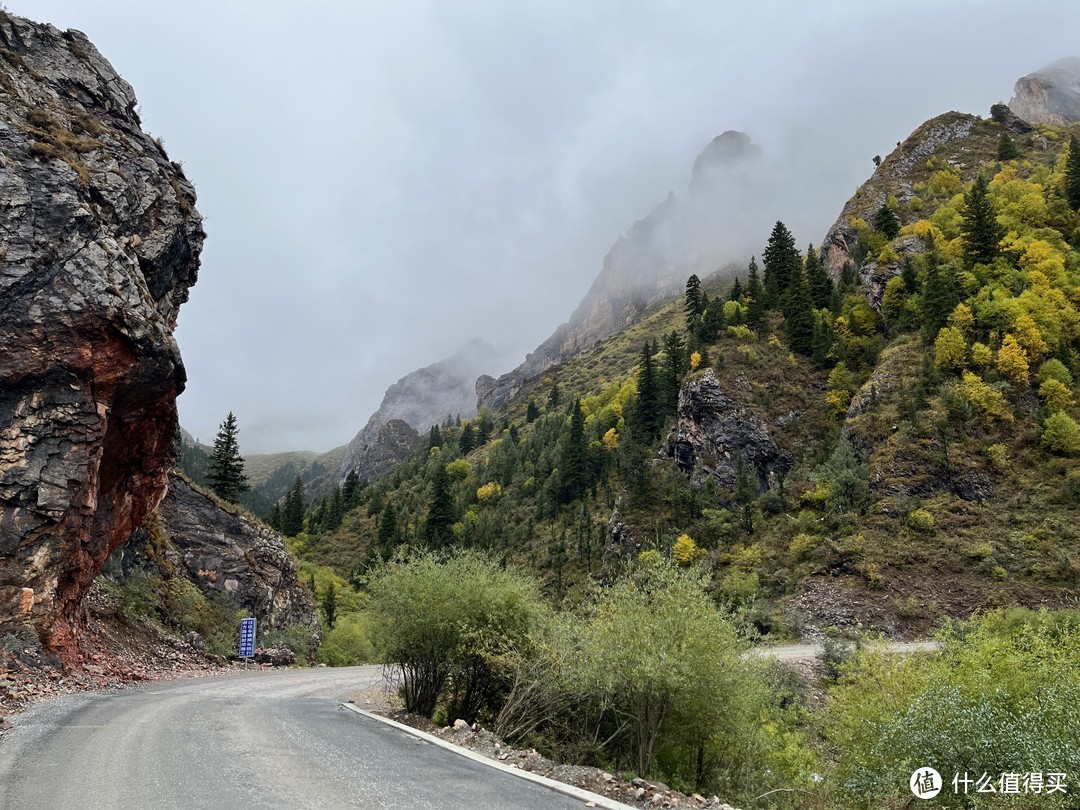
(266, 740)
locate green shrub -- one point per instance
(1060, 434)
(216, 619)
(921, 521)
(445, 623)
(349, 643)
(1001, 696)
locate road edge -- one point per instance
(552, 784)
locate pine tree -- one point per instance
(799, 315)
(755, 314)
(1072, 174)
(329, 605)
(886, 222)
(780, 258)
(1007, 148)
(676, 363)
(467, 439)
(225, 471)
(736, 290)
(438, 528)
(817, 279)
(292, 514)
(694, 306)
(940, 296)
(532, 413)
(435, 437)
(646, 412)
(350, 489)
(979, 224)
(388, 530)
(553, 397)
(574, 458)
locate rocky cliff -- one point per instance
(652, 261)
(223, 552)
(1050, 95)
(414, 403)
(714, 432)
(100, 241)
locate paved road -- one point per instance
(797, 652)
(265, 740)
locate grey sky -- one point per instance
(384, 180)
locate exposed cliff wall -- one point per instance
(714, 431)
(100, 242)
(224, 552)
(1050, 95)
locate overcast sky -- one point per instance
(382, 181)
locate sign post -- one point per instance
(247, 639)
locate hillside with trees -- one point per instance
(886, 447)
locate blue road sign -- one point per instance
(247, 638)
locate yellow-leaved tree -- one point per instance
(1012, 361)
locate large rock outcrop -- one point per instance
(1050, 95)
(652, 261)
(414, 403)
(223, 552)
(100, 241)
(378, 447)
(713, 432)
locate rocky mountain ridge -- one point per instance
(425, 397)
(651, 261)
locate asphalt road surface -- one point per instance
(265, 740)
(798, 652)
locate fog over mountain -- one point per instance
(383, 182)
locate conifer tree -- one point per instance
(940, 295)
(676, 363)
(574, 458)
(532, 413)
(755, 315)
(736, 290)
(745, 492)
(292, 514)
(225, 471)
(434, 437)
(1072, 174)
(329, 605)
(646, 411)
(1006, 149)
(694, 305)
(273, 520)
(388, 530)
(553, 397)
(817, 279)
(467, 439)
(438, 528)
(780, 258)
(886, 222)
(799, 315)
(979, 224)
(350, 489)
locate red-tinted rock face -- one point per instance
(99, 243)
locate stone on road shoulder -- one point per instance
(265, 740)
